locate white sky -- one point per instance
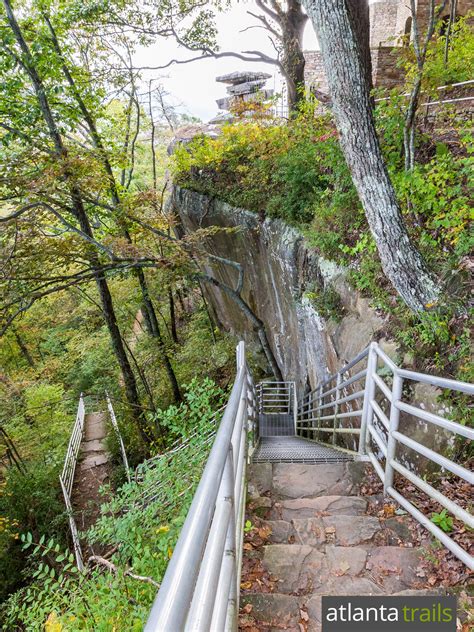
(193, 85)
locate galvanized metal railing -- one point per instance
(339, 398)
(359, 391)
(66, 478)
(276, 397)
(200, 590)
(118, 435)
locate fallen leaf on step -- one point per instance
(247, 608)
(247, 546)
(342, 569)
(304, 615)
(246, 585)
(330, 530)
(264, 532)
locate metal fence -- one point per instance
(370, 388)
(66, 478)
(200, 590)
(118, 435)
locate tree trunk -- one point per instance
(293, 60)
(343, 57)
(156, 333)
(174, 331)
(24, 349)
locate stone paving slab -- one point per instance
(94, 445)
(299, 480)
(343, 560)
(273, 607)
(94, 460)
(298, 568)
(338, 530)
(394, 567)
(312, 507)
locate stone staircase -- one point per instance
(323, 541)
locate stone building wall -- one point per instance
(314, 71)
(383, 23)
(423, 8)
(390, 24)
(385, 72)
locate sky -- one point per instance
(192, 86)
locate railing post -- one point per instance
(240, 354)
(336, 406)
(320, 400)
(369, 392)
(118, 435)
(295, 407)
(393, 427)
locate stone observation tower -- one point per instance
(390, 28)
(243, 88)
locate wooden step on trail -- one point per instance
(322, 541)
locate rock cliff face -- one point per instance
(278, 270)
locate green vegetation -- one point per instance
(99, 294)
(297, 172)
(141, 523)
(443, 521)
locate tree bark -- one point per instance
(156, 333)
(24, 349)
(174, 331)
(344, 58)
(293, 61)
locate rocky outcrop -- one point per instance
(280, 270)
(281, 277)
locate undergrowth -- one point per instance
(140, 524)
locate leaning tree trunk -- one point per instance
(344, 56)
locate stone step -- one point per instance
(338, 530)
(322, 505)
(279, 610)
(94, 459)
(303, 569)
(300, 480)
(94, 445)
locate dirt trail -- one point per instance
(92, 471)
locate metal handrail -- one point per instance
(379, 433)
(75, 439)
(66, 478)
(118, 434)
(276, 397)
(200, 589)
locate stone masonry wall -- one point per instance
(385, 72)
